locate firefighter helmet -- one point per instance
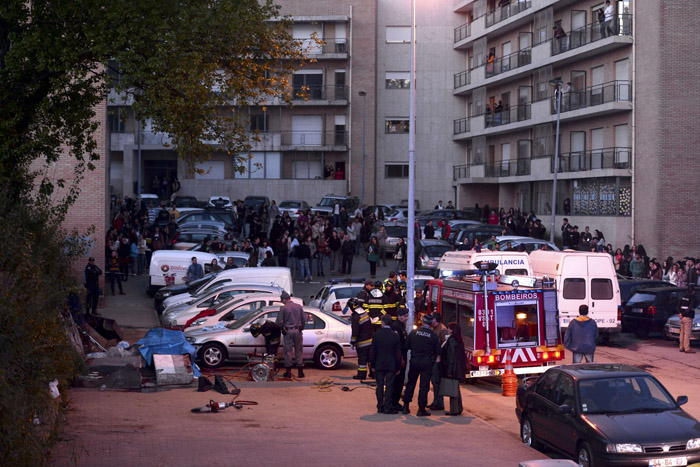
(353, 303)
(255, 330)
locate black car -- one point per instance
(629, 286)
(227, 216)
(607, 414)
(170, 290)
(255, 202)
(648, 309)
(483, 232)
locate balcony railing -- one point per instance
(508, 168)
(506, 11)
(315, 138)
(320, 92)
(509, 62)
(620, 25)
(462, 78)
(460, 171)
(329, 46)
(461, 125)
(613, 91)
(462, 32)
(594, 159)
(518, 113)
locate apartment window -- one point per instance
(261, 165)
(259, 122)
(114, 74)
(396, 171)
(117, 118)
(398, 80)
(396, 125)
(398, 34)
(308, 84)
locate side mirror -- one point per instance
(246, 329)
(564, 409)
(682, 400)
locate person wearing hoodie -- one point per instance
(581, 335)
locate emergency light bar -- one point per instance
(484, 267)
(347, 280)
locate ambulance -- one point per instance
(501, 317)
(508, 262)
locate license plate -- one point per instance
(637, 310)
(668, 461)
(674, 330)
(480, 373)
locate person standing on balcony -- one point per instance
(609, 14)
(497, 113)
(490, 61)
(601, 22)
(560, 36)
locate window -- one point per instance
(396, 125)
(398, 34)
(313, 322)
(259, 122)
(517, 325)
(308, 84)
(347, 292)
(565, 391)
(396, 171)
(212, 170)
(117, 118)
(574, 289)
(261, 165)
(398, 80)
(545, 386)
(601, 289)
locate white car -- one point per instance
(220, 202)
(238, 307)
(515, 241)
(293, 207)
(181, 301)
(333, 296)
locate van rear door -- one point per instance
(574, 287)
(602, 294)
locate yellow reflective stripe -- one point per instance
(364, 318)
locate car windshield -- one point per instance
(196, 284)
(435, 251)
(397, 231)
(624, 395)
(206, 290)
(347, 292)
(186, 203)
(395, 213)
(641, 298)
(328, 202)
(290, 204)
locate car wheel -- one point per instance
(527, 435)
(213, 355)
(327, 357)
(585, 456)
(641, 333)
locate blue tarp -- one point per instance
(166, 342)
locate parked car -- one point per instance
(672, 328)
(394, 233)
(188, 238)
(188, 202)
(648, 309)
(227, 216)
(430, 252)
(293, 207)
(456, 225)
(399, 215)
(333, 296)
(628, 287)
(221, 202)
(529, 243)
(482, 232)
(194, 225)
(325, 207)
(326, 339)
(607, 414)
(177, 289)
(255, 201)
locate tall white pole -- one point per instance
(410, 254)
(556, 167)
(362, 197)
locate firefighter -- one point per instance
(375, 305)
(391, 300)
(272, 333)
(391, 278)
(361, 336)
(364, 294)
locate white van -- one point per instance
(583, 278)
(509, 262)
(268, 276)
(173, 264)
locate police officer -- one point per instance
(391, 300)
(272, 334)
(399, 327)
(361, 337)
(92, 284)
(291, 320)
(424, 345)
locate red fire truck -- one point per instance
(515, 315)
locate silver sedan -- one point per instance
(326, 339)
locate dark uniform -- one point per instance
(391, 301)
(364, 294)
(424, 345)
(400, 329)
(92, 284)
(374, 305)
(361, 337)
(272, 334)
(291, 320)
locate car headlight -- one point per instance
(199, 322)
(166, 294)
(173, 322)
(693, 443)
(191, 340)
(624, 448)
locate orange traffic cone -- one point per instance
(509, 382)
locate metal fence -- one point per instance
(620, 25)
(517, 113)
(506, 11)
(461, 125)
(320, 92)
(508, 168)
(463, 31)
(594, 159)
(612, 91)
(314, 138)
(460, 171)
(509, 62)
(462, 78)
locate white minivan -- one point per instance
(510, 263)
(583, 278)
(169, 267)
(269, 276)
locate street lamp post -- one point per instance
(362, 195)
(557, 85)
(411, 247)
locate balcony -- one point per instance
(460, 172)
(621, 25)
(320, 95)
(506, 11)
(461, 125)
(519, 113)
(595, 159)
(329, 49)
(509, 62)
(462, 32)
(316, 140)
(265, 141)
(507, 168)
(613, 91)
(461, 79)
(490, 123)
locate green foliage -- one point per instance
(35, 261)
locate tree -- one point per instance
(190, 66)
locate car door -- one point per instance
(563, 426)
(244, 342)
(541, 406)
(243, 309)
(315, 331)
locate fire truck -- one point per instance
(500, 317)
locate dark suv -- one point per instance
(325, 207)
(648, 309)
(227, 216)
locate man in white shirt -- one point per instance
(609, 13)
